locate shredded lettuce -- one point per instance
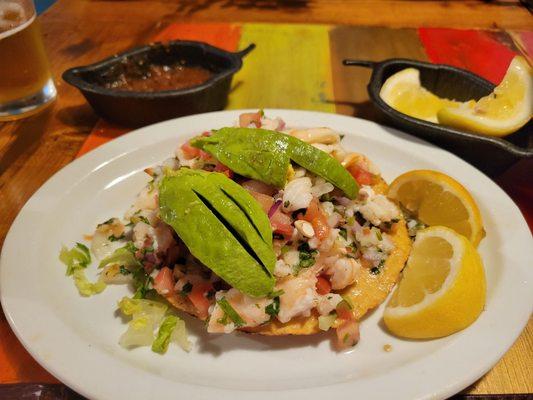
(123, 256)
(160, 344)
(179, 336)
(86, 287)
(326, 321)
(146, 316)
(76, 260)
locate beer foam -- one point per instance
(13, 18)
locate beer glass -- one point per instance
(26, 85)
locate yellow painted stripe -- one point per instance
(290, 68)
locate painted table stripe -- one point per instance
(225, 36)
(286, 70)
(366, 43)
(481, 52)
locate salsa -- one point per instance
(161, 77)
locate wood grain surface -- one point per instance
(79, 32)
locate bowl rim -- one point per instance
(72, 77)
(374, 85)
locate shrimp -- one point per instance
(316, 135)
(342, 271)
(251, 310)
(377, 208)
(299, 295)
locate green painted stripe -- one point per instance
(290, 68)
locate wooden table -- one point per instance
(79, 32)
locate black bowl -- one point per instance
(490, 154)
(131, 108)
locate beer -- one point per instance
(25, 81)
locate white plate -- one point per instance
(76, 338)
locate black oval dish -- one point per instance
(490, 154)
(131, 108)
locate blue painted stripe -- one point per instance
(42, 5)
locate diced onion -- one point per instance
(274, 208)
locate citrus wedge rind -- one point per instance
(442, 291)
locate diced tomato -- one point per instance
(263, 199)
(250, 118)
(322, 285)
(347, 334)
(206, 133)
(282, 223)
(219, 167)
(361, 175)
(164, 282)
(198, 298)
(344, 311)
(204, 156)
(318, 219)
(189, 152)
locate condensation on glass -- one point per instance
(26, 85)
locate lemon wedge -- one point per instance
(437, 199)
(504, 111)
(403, 92)
(442, 289)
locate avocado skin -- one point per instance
(208, 239)
(265, 156)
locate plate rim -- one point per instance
(93, 156)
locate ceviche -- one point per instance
(258, 227)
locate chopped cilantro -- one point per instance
(113, 238)
(230, 312)
(144, 219)
(378, 234)
(107, 222)
(124, 271)
(149, 249)
(276, 293)
(325, 197)
(377, 270)
(273, 308)
(286, 204)
(344, 233)
(307, 257)
(142, 283)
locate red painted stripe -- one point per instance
(225, 36)
(477, 51)
(102, 132)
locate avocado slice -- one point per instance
(265, 155)
(217, 231)
(256, 153)
(322, 164)
(246, 202)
